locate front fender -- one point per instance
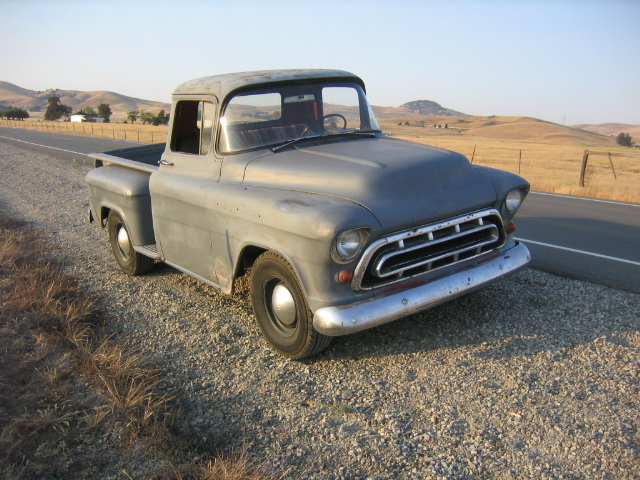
(298, 225)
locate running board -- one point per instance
(150, 251)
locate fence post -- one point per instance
(612, 169)
(585, 157)
(473, 154)
(519, 162)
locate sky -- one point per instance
(564, 61)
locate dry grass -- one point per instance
(551, 155)
(236, 466)
(135, 132)
(551, 163)
(74, 403)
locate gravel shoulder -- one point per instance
(536, 376)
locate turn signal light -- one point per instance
(345, 276)
(510, 228)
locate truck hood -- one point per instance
(401, 183)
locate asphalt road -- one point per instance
(584, 238)
(578, 237)
(65, 146)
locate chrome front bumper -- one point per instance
(351, 318)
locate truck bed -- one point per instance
(145, 158)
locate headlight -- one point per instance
(513, 200)
(348, 244)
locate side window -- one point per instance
(193, 127)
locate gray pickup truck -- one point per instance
(286, 174)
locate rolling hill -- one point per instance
(419, 113)
(430, 108)
(612, 129)
(13, 95)
(522, 129)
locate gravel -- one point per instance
(536, 376)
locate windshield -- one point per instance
(264, 118)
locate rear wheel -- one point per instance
(281, 309)
(130, 262)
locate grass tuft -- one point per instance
(73, 402)
(236, 466)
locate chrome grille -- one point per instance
(426, 249)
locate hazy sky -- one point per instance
(562, 61)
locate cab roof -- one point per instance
(221, 85)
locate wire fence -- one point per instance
(550, 167)
(115, 131)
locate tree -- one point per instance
(104, 111)
(625, 140)
(146, 117)
(15, 114)
(55, 109)
(161, 118)
(86, 111)
(133, 115)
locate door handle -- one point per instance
(164, 162)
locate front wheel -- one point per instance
(281, 309)
(130, 262)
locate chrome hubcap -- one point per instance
(284, 306)
(123, 241)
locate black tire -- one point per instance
(289, 329)
(130, 262)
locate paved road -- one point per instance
(578, 237)
(65, 146)
(584, 238)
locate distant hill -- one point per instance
(612, 129)
(533, 129)
(16, 96)
(525, 129)
(430, 108)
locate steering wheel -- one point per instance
(322, 123)
(333, 127)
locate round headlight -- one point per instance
(513, 200)
(348, 244)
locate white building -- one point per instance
(86, 118)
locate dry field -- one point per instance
(548, 155)
(135, 132)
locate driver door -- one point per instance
(183, 187)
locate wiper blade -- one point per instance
(316, 137)
(291, 142)
(358, 134)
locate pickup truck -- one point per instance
(286, 175)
